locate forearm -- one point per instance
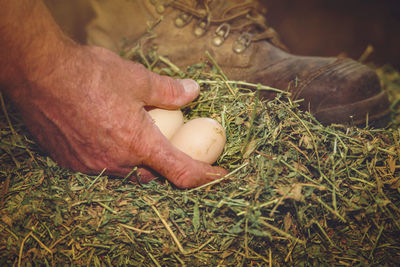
(31, 43)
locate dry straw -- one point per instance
(298, 193)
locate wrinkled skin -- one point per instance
(86, 106)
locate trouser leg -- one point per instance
(72, 16)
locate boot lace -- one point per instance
(245, 17)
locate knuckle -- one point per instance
(185, 179)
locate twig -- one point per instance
(376, 241)
(282, 233)
(331, 210)
(325, 234)
(258, 86)
(95, 180)
(253, 115)
(214, 62)
(220, 179)
(21, 249)
(166, 226)
(106, 207)
(174, 67)
(135, 229)
(3, 106)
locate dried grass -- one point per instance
(299, 193)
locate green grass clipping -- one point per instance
(298, 193)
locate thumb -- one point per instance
(166, 92)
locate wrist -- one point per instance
(31, 44)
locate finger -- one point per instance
(179, 168)
(169, 93)
(145, 175)
(149, 147)
(141, 175)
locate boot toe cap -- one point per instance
(345, 92)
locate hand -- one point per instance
(89, 115)
(85, 105)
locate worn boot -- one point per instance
(335, 90)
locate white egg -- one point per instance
(168, 121)
(202, 139)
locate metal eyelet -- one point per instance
(221, 33)
(242, 42)
(201, 28)
(183, 19)
(160, 8)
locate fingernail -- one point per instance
(189, 85)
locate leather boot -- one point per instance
(235, 32)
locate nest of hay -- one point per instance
(298, 193)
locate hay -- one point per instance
(298, 193)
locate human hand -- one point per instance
(89, 114)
